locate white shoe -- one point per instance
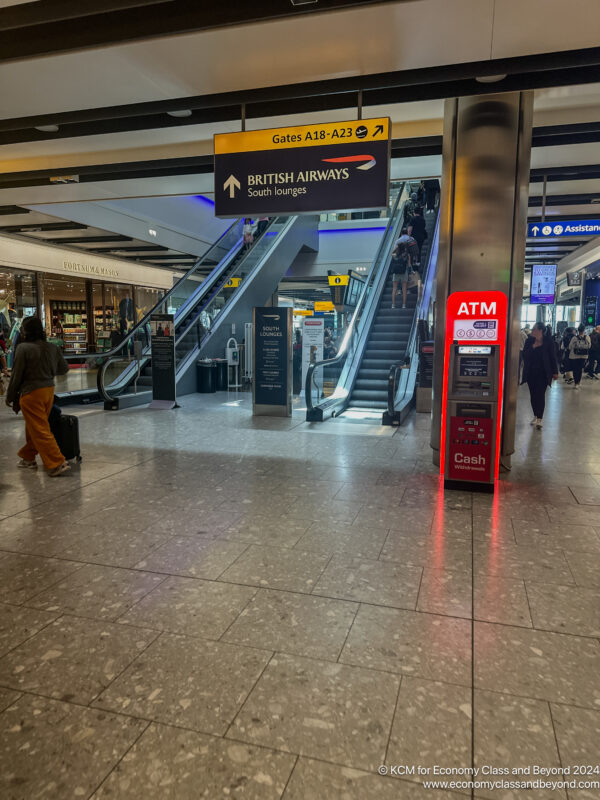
(539, 424)
(403, 305)
(533, 421)
(60, 470)
(23, 464)
(577, 386)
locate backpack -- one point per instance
(582, 346)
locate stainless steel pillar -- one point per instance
(483, 225)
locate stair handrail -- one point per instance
(314, 412)
(410, 364)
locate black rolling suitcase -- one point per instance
(65, 428)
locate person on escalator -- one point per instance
(417, 229)
(400, 266)
(31, 390)
(248, 234)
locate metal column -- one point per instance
(483, 225)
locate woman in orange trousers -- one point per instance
(31, 386)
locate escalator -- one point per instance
(245, 278)
(81, 383)
(388, 339)
(379, 339)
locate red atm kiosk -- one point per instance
(474, 356)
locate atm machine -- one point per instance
(473, 384)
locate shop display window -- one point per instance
(66, 313)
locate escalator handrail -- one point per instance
(190, 325)
(411, 346)
(146, 318)
(352, 327)
(205, 286)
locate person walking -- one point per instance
(566, 364)
(31, 390)
(524, 335)
(593, 366)
(579, 350)
(540, 368)
(432, 191)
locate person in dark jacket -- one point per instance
(417, 229)
(540, 368)
(432, 190)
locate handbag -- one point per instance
(413, 280)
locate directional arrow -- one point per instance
(232, 184)
(378, 129)
(535, 230)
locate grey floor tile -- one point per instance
(73, 659)
(56, 750)
(7, 698)
(267, 530)
(193, 683)
(584, 569)
(578, 733)
(109, 547)
(171, 764)
(342, 538)
(320, 709)
(190, 606)
(514, 732)
(565, 609)
(193, 556)
(17, 624)
(499, 530)
(277, 568)
(401, 518)
(97, 592)
(438, 552)
(445, 592)
(537, 664)
(383, 583)
(316, 780)
(511, 561)
(586, 495)
(294, 623)
(432, 726)
(578, 538)
(499, 599)
(424, 645)
(22, 577)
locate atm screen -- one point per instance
(473, 367)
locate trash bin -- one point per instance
(222, 367)
(206, 377)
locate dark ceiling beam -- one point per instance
(577, 172)
(6, 211)
(43, 32)
(565, 199)
(91, 239)
(43, 226)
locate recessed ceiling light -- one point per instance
(184, 112)
(47, 128)
(490, 78)
(151, 231)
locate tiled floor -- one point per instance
(216, 606)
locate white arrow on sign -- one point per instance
(232, 184)
(535, 230)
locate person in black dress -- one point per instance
(540, 368)
(417, 229)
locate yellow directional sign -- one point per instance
(339, 280)
(302, 312)
(303, 169)
(324, 305)
(358, 130)
(233, 283)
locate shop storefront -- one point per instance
(87, 304)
